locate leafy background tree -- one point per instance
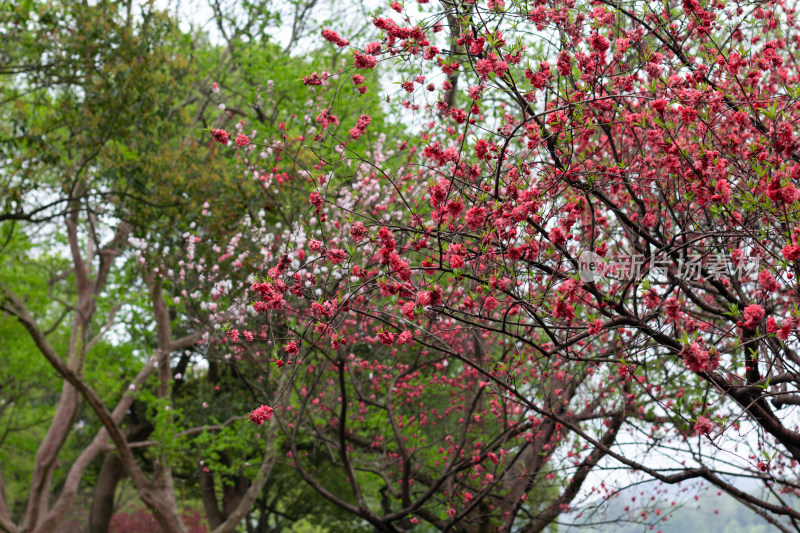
(105, 112)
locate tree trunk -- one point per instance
(111, 473)
(209, 498)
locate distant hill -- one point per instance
(669, 510)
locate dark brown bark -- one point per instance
(209, 498)
(231, 498)
(232, 495)
(111, 473)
